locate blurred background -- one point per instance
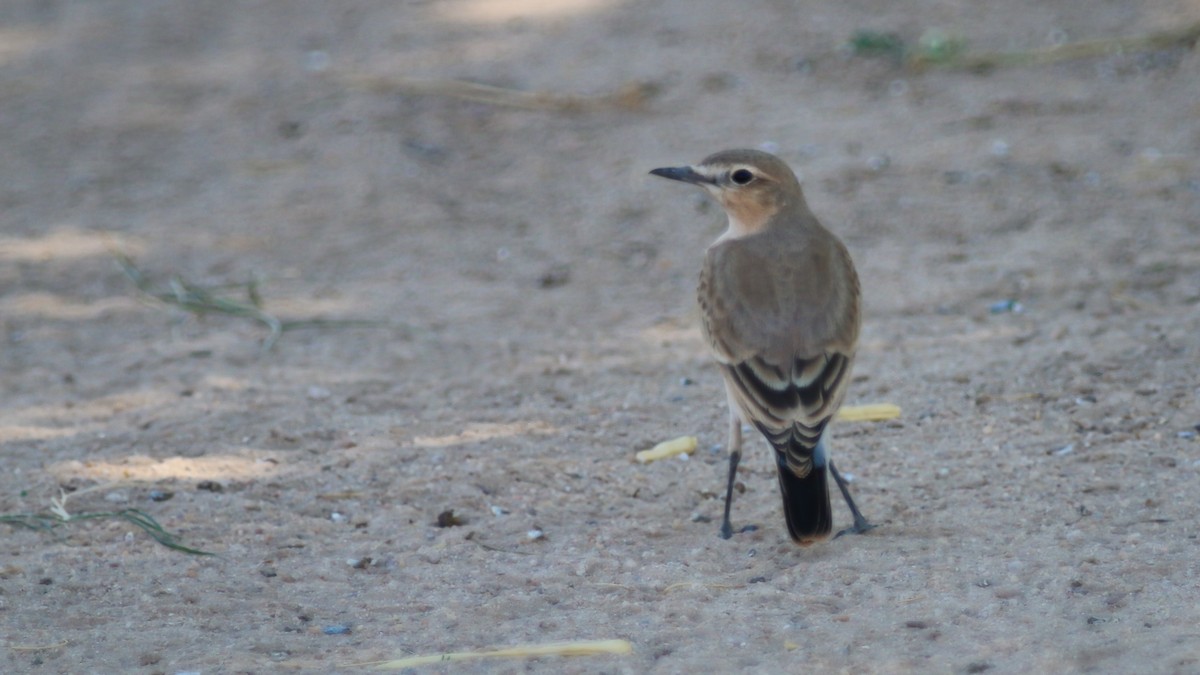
(386, 259)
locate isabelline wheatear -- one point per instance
(779, 300)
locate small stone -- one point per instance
(558, 275)
(337, 629)
(1006, 306)
(448, 519)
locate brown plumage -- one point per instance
(779, 299)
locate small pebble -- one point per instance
(160, 495)
(318, 393)
(1186, 434)
(448, 519)
(337, 629)
(1065, 450)
(555, 276)
(1000, 148)
(337, 517)
(499, 511)
(1003, 306)
(210, 486)
(116, 497)
(536, 534)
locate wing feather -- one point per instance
(783, 321)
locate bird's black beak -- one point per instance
(685, 174)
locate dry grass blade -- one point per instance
(631, 96)
(38, 648)
(201, 301)
(1185, 37)
(581, 648)
(58, 515)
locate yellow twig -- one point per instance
(678, 446)
(582, 648)
(875, 412)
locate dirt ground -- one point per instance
(1029, 245)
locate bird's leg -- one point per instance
(735, 455)
(861, 524)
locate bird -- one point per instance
(780, 309)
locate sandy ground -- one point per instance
(535, 287)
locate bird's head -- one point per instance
(752, 186)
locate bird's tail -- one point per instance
(805, 500)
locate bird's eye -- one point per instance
(741, 176)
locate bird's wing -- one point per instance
(783, 324)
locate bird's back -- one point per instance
(788, 292)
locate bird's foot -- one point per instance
(860, 526)
(727, 530)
